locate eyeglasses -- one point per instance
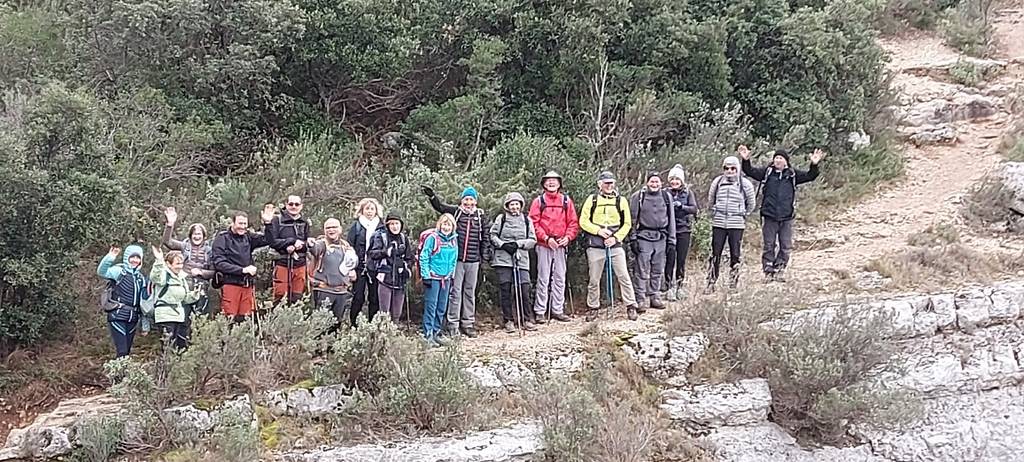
(730, 169)
(294, 204)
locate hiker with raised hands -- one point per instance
(173, 293)
(197, 253)
(333, 263)
(556, 224)
(513, 235)
(288, 233)
(730, 201)
(654, 229)
(684, 203)
(233, 262)
(364, 292)
(605, 218)
(778, 182)
(472, 227)
(437, 262)
(390, 256)
(126, 289)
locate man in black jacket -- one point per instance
(232, 259)
(778, 182)
(288, 233)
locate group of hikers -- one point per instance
(373, 263)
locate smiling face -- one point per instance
(675, 183)
(294, 205)
(654, 184)
(176, 263)
(780, 163)
(240, 225)
(395, 226)
(552, 184)
(515, 207)
(197, 236)
(607, 187)
(469, 202)
(332, 229)
(730, 170)
(135, 261)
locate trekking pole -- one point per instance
(516, 295)
(288, 285)
(608, 273)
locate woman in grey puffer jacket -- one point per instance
(513, 235)
(730, 201)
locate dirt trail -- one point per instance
(937, 177)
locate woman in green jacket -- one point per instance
(173, 292)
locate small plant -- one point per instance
(935, 235)
(967, 73)
(967, 27)
(944, 264)
(989, 203)
(430, 391)
(235, 438)
(360, 355)
(99, 438)
(570, 417)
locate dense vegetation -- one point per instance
(111, 110)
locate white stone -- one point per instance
(500, 373)
(648, 350)
(928, 135)
(973, 309)
(520, 442)
(1007, 299)
(52, 434)
(767, 442)
(684, 351)
(201, 421)
(560, 363)
(741, 403)
(314, 401)
(1012, 175)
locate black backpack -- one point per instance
(565, 203)
(640, 207)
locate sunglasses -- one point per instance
(730, 169)
(295, 204)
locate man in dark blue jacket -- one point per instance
(778, 206)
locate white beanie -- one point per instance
(677, 172)
(731, 160)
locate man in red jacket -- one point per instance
(556, 223)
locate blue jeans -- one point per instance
(123, 334)
(435, 303)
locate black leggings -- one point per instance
(675, 260)
(718, 239)
(364, 290)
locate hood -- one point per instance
(128, 253)
(193, 227)
(513, 197)
(393, 215)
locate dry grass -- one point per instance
(935, 235)
(944, 264)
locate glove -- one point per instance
(427, 190)
(510, 247)
(677, 204)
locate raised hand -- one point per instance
(268, 212)
(743, 152)
(172, 216)
(817, 155)
(427, 190)
(114, 251)
(157, 254)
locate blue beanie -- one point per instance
(470, 192)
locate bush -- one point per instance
(895, 15)
(935, 235)
(966, 73)
(943, 264)
(235, 439)
(360, 356)
(99, 438)
(429, 391)
(967, 27)
(989, 203)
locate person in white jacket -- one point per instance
(730, 202)
(333, 264)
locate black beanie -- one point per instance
(782, 152)
(393, 215)
(652, 174)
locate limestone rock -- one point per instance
(500, 374)
(741, 403)
(200, 421)
(53, 434)
(1012, 175)
(928, 134)
(518, 443)
(767, 442)
(314, 401)
(665, 358)
(960, 106)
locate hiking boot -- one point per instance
(432, 341)
(529, 326)
(631, 313)
(540, 320)
(768, 277)
(469, 332)
(510, 327)
(656, 304)
(561, 317)
(734, 277)
(450, 331)
(780, 275)
(592, 314)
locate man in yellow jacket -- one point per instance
(605, 220)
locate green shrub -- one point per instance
(570, 417)
(966, 73)
(235, 439)
(967, 27)
(99, 438)
(429, 391)
(360, 356)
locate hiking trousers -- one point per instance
(435, 302)
(514, 307)
(719, 236)
(778, 244)
(174, 332)
(675, 260)
(550, 280)
(391, 300)
(364, 291)
(281, 285)
(597, 263)
(650, 267)
(462, 296)
(123, 335)
(337, 303)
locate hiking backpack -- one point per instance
(640, 207)
(501, 227)
(565, 203)
(106, 301)
(433, 251)
(618, 205)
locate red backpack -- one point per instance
(423, 238)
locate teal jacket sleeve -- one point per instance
(107, 269)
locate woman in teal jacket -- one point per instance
(172, 289)
(128, 288)
(437, 266)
